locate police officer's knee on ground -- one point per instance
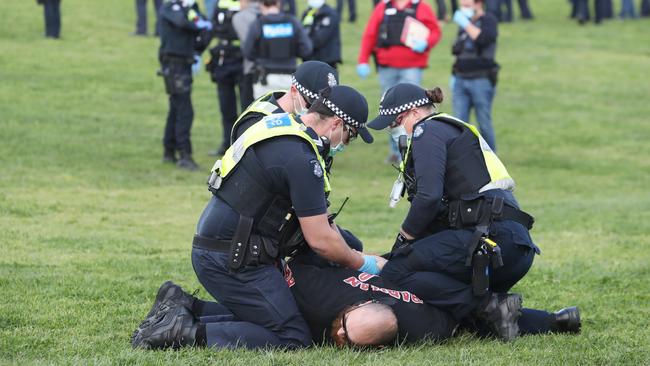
(269, 192)
(461, 193)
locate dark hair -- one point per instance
(318, 106)
(270, 2)
(434, 95)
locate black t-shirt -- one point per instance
(294, 173)
(255, 117)
(322, 293)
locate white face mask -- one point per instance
(396, 132)
(188, 3)
(298, 109)
(468, 11)
(316, 4)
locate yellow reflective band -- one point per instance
(260, 105)
(491, 242)
(269, 127)
(191, 14)
(309, 17)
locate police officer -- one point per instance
(226, 69)
(274, 42)
(269, 192)
(474, 74)
(180, 47)
(323, 27)
(306, 82)
(462, 214)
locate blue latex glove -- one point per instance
(369, 263)
(363, 70)
(419, 46)
(461, 19)
(196, 66)
(203, 24)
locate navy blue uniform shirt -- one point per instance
(294, 173)
(429, 153)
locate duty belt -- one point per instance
(468, 214)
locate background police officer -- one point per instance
(474, 74)
(461, 203)
(226, 69)
(274, 42)
(52, 15)
(181, 24)
(272, 174)
(323, 27)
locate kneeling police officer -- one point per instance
(181, 43)
(464, 242)
(269, 190)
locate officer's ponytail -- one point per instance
(434, 95)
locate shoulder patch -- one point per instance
(419, 130)
(316, 168)
(275, 120)
(176, 7)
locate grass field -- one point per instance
(91, 222)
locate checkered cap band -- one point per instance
(344, 116)
(304, 91)
(403, 107)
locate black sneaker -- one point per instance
(502, 313)
(186, 162)
(173, 328)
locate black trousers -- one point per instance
(644, 7)
(227, 86)
(178, 83)
(141, 16)
(352, 9)
(435, 269)
(52, 9)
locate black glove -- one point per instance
(402, 246)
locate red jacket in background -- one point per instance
(398, 56)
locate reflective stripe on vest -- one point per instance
(259, 105)
(499, 177)
(269, 127)
(308, 20)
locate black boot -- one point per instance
(175, 327)
(169, 156)
(186, 162)
(169, 295)
(567, 320)
(501, 313)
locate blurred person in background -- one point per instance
(141, 17)
(209, 6)
(226, 67)
(644, 7)
(52, 12)
(352, 9)
(395, 61)
(181, 24)
(474, 74)
(323, 27)
(274, 42)
(627, 9)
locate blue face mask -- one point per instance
(339, 147)
(469, 12)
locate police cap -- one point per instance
(312, 77)
(350, 106)
(398, 99)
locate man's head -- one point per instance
(339, 114)
(270, 6)
(476, 7)
(369, 324)
(310, 78)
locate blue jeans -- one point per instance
(209, 8)
(479, 94)
(627, 9)
(389, 77)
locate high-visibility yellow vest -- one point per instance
(260, 105)
(271, 126)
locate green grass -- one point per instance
(91, 222)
